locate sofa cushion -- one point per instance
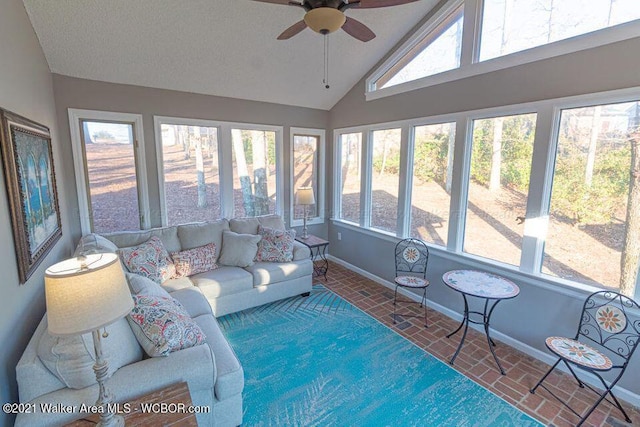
(266, 273)
(162, 325)
(144, 286)
(195, 260)
(168, 235)
(223, 281)
(249, 225)
(271, 221)
(238, 250)
(193, 301)
(300, 251)
(275, 245)
(71, 358)
(149, 259)
(201, 233)
(173, 285)
(229, 373)
(93, 244)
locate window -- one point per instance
(431, 183)
(438, 51)
(307, 170)
(594, 212)
(254, 172)
(498, 186)
(385, 179)
(460, 39)
(110, 171)
(350, 171)
(189, 172)
(513, 25)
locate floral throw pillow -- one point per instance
(149, 259)
(194, 261)
(162, 325)
(276, 245)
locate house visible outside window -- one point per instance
(307, 170)
(594, 215)
(190, 172)
(498, 186)
(110, 170)
(438, 51)
(350, 175)
(385, 179)
(431, 184)
(462, 40)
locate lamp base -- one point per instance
(115, 421)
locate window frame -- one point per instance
(225, 156)
(538, 198)
(469, 61)
(80, 167)
(320, 176)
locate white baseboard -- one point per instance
(622, 393)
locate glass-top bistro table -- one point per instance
(490, 287)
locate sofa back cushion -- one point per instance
(168, 236)
(250, 225)
(93, 244)
(71, 358)
(202, 233)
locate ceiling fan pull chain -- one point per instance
(326, 61)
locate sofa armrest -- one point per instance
(195, 366)
(300, 251)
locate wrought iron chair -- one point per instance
(608, 334)
(412, 256)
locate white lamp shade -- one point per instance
(83, 299)
(304, 196)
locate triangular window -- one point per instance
(435, 53)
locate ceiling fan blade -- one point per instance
(292, 30)
(368, 4)
(285, 2)
(358, 30)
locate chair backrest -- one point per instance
(412, 256)
(612, 321)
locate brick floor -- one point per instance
(475, 360)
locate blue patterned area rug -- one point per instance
(320, 361)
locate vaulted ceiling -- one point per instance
(215, 47)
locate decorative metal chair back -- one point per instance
(412, 256)
(612, 321)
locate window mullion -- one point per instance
(538, 198)
(365, 179)
(472, 24)
(459, 184)
(405, 184)
(226, 172)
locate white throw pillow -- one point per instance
(238, 250)
(141, 285)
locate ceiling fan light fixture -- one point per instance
(325, 20)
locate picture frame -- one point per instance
(30, 182)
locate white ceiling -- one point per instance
(216, 47)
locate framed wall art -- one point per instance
(31, 189)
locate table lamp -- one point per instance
(305, 197)
(85, 294)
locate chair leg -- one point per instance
(395, 295)
(424, 303)
(533, 390)
(580, 383)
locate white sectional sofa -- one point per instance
(212, 371)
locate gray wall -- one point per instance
(25, 88)
(541, 309)
(93, 95)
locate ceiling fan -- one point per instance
(327, 16)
